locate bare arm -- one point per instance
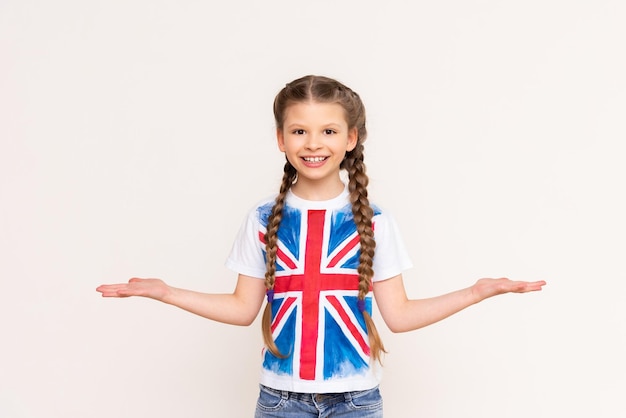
(238, 308)
(402, 314)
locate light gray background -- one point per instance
(136, 134)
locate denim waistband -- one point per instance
(315, 397)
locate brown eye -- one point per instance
(329, 131)
(299, 132)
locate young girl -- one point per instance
(317, 252)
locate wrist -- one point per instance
(474, 294)
(169, 295)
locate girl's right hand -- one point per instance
(238, 308)
(149, 288)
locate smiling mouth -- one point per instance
(314, 159)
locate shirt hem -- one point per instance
(342, 386)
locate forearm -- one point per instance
(239, 308)
(402, 314)
(226, 308)
(413, 314)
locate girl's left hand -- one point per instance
(486, 288)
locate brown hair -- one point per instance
(326, 90)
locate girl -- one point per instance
(318, 251)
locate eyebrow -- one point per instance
(324, 126)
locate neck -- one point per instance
(311, 190)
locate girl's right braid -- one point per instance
(271, 248)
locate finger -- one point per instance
(112, 290)
(109, 287)
(536, 286)
(533, 286)
(112, 294)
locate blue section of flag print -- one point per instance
(340, 357)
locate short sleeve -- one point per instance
(390, 257)
(246, 255)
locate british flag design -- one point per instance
(315, 320)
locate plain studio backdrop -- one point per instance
(135, 135)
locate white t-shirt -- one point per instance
(315, 319)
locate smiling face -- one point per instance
(315, 138)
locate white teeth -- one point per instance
(314, 159)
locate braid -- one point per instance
(363, 214)
(271, 248)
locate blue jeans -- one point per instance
(282, 404)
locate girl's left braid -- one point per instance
(363, 215)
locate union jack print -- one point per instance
(315, 319)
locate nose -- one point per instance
(313, 141)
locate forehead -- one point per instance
(315, 112)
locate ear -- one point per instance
(280, 138)
(353, 138)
